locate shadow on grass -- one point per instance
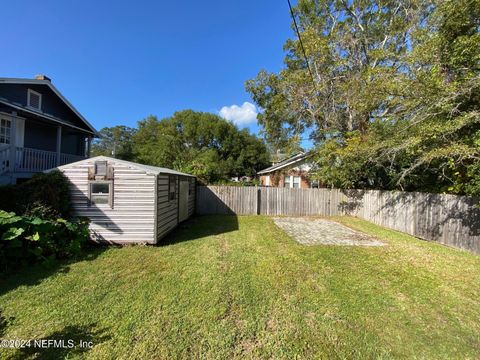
(74, 340)
(4, 322)
(33, 275)
(201, 226)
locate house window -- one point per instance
(171, 188)
(292, 181)
(296, 182)
(100, 193)
(34, 99)
(5, 128)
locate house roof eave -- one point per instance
(287, 162)
(55, 90)
(48, 117)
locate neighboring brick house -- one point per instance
(290, 173)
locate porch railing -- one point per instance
(4, 159)
(33, 160)
(68, 158)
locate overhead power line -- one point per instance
(301, 43)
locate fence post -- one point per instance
(259, 199)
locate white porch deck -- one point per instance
(27, 160)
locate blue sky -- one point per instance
(119, 61)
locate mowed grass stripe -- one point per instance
(239, 287)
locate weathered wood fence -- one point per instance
(448, 219)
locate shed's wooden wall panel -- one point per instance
(132, 218)
(167, 210)
(191, 197)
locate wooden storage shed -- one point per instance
(128, 202)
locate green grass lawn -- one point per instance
(239, 287)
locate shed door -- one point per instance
(183, 201)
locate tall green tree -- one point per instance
(115, 141)
(438, 120)
(199, 143)
(430, 141)
(353, 52)
(389, 90)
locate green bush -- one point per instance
(254, 182)
(28, 239)
(48, 190)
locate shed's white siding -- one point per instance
(132, 219)
(141, 212)
(167, 210)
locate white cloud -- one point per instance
(240, 115)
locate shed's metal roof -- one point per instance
(147, 168)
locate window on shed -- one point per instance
(101, 193)
(171, 187)
(100, 168)
(34, 99)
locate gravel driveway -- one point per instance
(310, 231)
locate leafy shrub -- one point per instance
(29, 239)
(48, 190)
(38, 209)
(253, 182)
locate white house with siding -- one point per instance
(128, 202)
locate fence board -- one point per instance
(448, 219)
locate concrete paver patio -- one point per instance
(313, 231)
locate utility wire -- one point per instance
(301, 44)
